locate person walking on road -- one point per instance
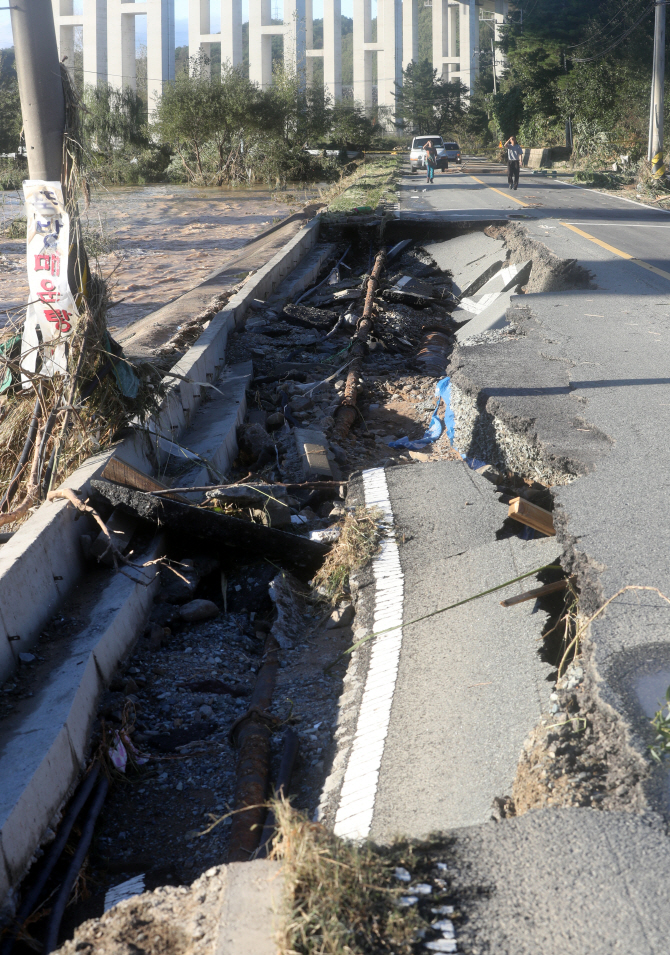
(514, 157)
(431, 160)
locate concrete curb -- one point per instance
(44, 747)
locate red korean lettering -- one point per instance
(42, 263)
(50, 293)
(55, 264)
(59, 317)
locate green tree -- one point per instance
(114, 118)
(11, 122)
(427, 103)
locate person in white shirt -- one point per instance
(514, 157)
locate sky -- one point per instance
(181, 20)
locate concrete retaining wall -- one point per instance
(43, 560)
(44, 747)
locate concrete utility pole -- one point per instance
(40, 86)
(657, 91)
(493, 59)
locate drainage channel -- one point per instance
(235, 684)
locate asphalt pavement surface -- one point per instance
(585, 381)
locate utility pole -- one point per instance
(493, 58)
(657, 91)
(40, 87)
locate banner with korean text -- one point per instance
(52, 314)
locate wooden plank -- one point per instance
(556, 587)
(532, 515)
(119, 472)
(187, 523)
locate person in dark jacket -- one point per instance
(431, 160)
(514, 157)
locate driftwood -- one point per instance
(188, 522)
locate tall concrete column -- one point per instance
(441, 12)
(160, 45)
(295, 36)
(332, 47)
(95, 41)
(469, 35)
(389, 63)
(198, 28)
(362, 53)
(410, 32)
(500, 14)
(260, 43)
(309, 43)
(231, 32)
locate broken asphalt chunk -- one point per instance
(185, 522)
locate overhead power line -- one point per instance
(603, 29)
(616, 43)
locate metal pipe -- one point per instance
(288, 758)
(53, 855)
(252, 734)
(346, 413)
(61, 901)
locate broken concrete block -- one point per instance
(312, 448)
(341, 616)
(472, 260)
(492, 317)
(198, 610)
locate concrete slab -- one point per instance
(213, 431)
(564, 880)
(470, 683)
(472, 259)
(251, 913)
(313, 450)
(492, 316)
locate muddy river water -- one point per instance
(157, 241)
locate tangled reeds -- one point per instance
(50, 424)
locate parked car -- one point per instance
(453, 151)
(417, 156)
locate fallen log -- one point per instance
(188, 522)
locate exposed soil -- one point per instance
(161, 241)
(576, 756)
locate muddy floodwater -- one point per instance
(158, 241)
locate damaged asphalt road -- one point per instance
(572, 389)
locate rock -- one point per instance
(341, 616)
(255, 440)
(422, 888)
(27, 657)
(402, 874)
(340, 454)
(198, 610)
(420, 456)
(179, 589)
(206, 712)
(336, 512)
(275, 420)
(131, 687)
(308, 514)
(300, 403)
(308, 317)
(289, 622)
(156, 636)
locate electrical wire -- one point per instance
(616, 43)
(602, 30)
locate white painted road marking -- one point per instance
(357, 799)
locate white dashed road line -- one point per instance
(357, 799)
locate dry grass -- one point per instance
(342, 896)
(357, 544)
